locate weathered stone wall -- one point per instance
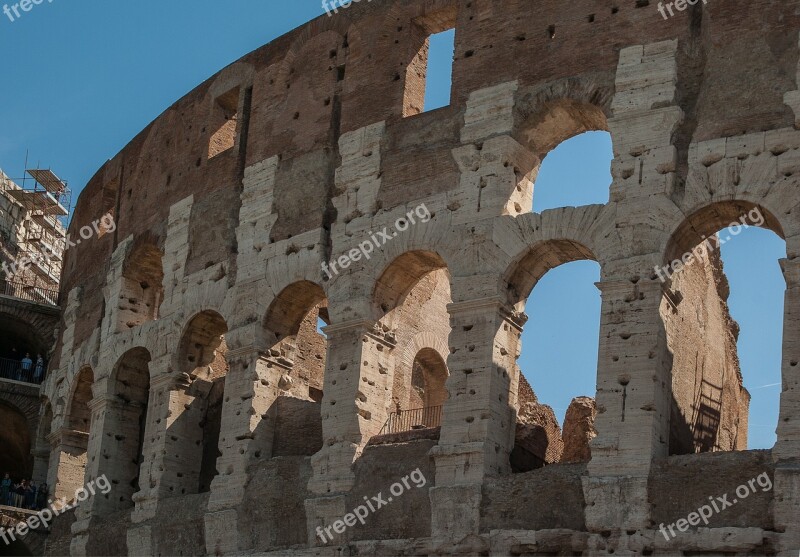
(710, 404)
(299, 154)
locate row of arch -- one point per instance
(411, 298)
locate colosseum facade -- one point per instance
(302, 255)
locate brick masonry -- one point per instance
(214, 272)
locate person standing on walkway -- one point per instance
(41, 496)
(25, 368)
(5, 490)
(38, 373)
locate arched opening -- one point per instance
(411, 299)
(428, 378)
(73, 439)
(712, 363)
(297, 359)
(79, 414)
(198, 404)
(124, 428)
(19, 339)
(577, 172)
(555, 283)
(15, 442)
(141, 291)
(565, 128)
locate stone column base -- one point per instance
(321, 513)
(146, 506)
(222, 532)
(617, 503)
(787, 508)
(455, 512)
(80, 537)
(140, 541)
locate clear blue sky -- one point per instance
(81, 79)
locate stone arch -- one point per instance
(538, 434)
(399, 278)
(709, 403)
(15, 442)
(428, 378)
(297, 353)
(527, 269)
(197, 404)
(547, 115)
(142, 289)
(426, 356)
(410, 300)
(706, 220)
(124, 425)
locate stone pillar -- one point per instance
(477, 433)
(67, 462)
(152, 469)
(41, 461)
(633, 405)
(355, 407)
(86, 510)
(787, 448)
(248, 421)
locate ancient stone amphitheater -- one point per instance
(191, 371)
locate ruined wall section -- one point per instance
(481, 226)
(710, 404)
(342, 71)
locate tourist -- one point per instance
(30, 495)
(41, 496)
(26, 365)
(5, 490)
(38, 374)
(19, 494)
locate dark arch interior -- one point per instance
(15, 442)
(202, 358)
(18, 337)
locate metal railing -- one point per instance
(14, 370)
(30, 293)
(417, 418)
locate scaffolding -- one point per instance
(41, 234)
